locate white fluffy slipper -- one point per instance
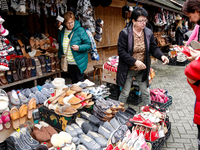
(4, 101)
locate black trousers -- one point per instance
(75, 73)
(198, 126)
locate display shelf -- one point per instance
(32, 79)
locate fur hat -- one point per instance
(193, 69)
(99, 22)
(98, 30)
(98, 37)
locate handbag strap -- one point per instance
(69, 44)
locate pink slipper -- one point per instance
(1, 124)
(6, 119)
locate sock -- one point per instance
(3, 31)
(4, 64)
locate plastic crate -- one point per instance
(164, 105)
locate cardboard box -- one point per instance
(109, 76)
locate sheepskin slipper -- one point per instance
(66, 136)
(71, 146)
(57, 140)
(3, 103)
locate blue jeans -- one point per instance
(143, 87)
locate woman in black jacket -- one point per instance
(135, 44)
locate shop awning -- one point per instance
(178, 2)
(165, 4)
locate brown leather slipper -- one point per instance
(40, 133)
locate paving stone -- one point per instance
(189, 147)
(176, 140)
(187, 136)
(176, 145)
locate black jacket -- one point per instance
(125, 52)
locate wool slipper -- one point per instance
(66, 136)
(4, 101)
(31, 107)
(22, 98)
(57, 140)
(67, 98)
(23, 113)
(33, 96)
(41, 97)
(65, 110)
(14, 115)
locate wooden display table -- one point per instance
(32, 79)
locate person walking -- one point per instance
(77, 56)
(135, 45)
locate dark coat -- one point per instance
(125, 52)
(179, 34)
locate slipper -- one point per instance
(14, 115)
(74, 100)
(58, 94)
(69, 92)
(23, 113)
(65, 110)
(31, 107)
(4, 103)
(67, 98)
(1, 124)
(85, 95)
(77, 106)
(76, 88)
(89, 104)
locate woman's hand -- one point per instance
(194, 54)
(165, 60)
(75, 47)
(140, 64)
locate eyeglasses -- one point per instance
(68, 23)
(142, 21)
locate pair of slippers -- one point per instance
(4, 101)
(5, 120)
(19, 116)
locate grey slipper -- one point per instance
(13, 97)
(33, 96)
(48, 86)
(90, 117)
(22, 98)
(77, 128)
(47, 92)
(84, 125)
(114, 123)
(89, 142)
(16, 137)
(41, 97)
(103, 131)
(28, 139)
(108, 126)
(95, 128)
(98, 138)
(71, 131)
(34, 89)
(26, 92)
(75, 139)
(81, 147)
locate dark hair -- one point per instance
(137, 12)
(190, 6)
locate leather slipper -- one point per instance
(23, 113)
(14, 70)
(38, 66)
(31, 107)
(28, 67)
(22, 68)
(49, 128)
(3, 80)
(14, 115)
(41, 133)
(74, 100)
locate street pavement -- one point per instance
(184, 132)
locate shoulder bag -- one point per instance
(64, 63)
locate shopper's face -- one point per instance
(70, 24)
(140, 23)
(194, 17)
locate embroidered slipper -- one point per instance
(14, 115)
(31, 107)
(1, 124)
(23, 113)
(65, 110)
